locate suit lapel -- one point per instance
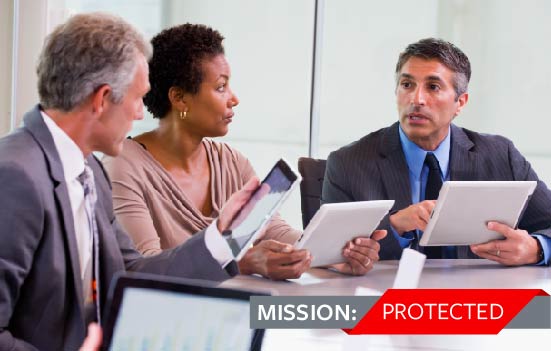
(464, 164)
(38, 129)
(393, 168)
(110, 259)
(105, 267)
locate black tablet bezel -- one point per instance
(293, 178)
(163, 283)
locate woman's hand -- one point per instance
(360, 254)
(275, 260)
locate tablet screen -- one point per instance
(262, 205)
(151, 319)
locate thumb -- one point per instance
(276, 246)
(245, 193)
(236, 203)
(378, 235)
(251, 185)
(501, 228)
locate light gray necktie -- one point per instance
(91, 274)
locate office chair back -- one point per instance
(312, 171)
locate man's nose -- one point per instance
(418, 97)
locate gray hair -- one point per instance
(445, 52)
(85, 53)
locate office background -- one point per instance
(270, 46)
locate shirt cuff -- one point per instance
(217, 245)
(545, 242)
(404, 242)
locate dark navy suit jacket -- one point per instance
(375, 168)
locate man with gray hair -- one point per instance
(61, 243)
(408, 162)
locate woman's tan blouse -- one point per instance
(156, 212)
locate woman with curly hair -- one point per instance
(173, 181)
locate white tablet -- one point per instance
(335, 224)
(463, 210)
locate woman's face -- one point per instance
(210, 111)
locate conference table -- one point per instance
(436, 274)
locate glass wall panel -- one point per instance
(508, 45)
(362, 40)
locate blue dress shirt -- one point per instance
(418, 174)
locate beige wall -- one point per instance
(6, 25)
(32, 28)
(32, 20)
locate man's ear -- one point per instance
(461, 102)
(101, 98)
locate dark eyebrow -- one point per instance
(429, 78)
(434, 79)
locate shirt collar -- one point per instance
(70, 154)
(415, 156)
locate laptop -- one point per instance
(151, 312)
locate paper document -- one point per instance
(409, 269)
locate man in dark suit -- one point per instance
(409, 160)
(61, 243)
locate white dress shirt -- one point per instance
(217, 245)
(72, 161)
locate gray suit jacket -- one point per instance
(40, 288)
(375, 168)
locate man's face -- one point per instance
(427, 101)
(116, 119)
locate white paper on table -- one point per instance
(362, 291)
(409, 269)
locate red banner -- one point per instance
(444, 311)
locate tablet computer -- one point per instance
(263, 204)
(335, 224)
(152, 312)
(464, 208)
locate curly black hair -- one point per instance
(178, 55)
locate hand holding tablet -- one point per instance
(463, 210)
(360, 254)
(518, 247)
(336, 224)
(248, 224)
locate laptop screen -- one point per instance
(179, 317)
